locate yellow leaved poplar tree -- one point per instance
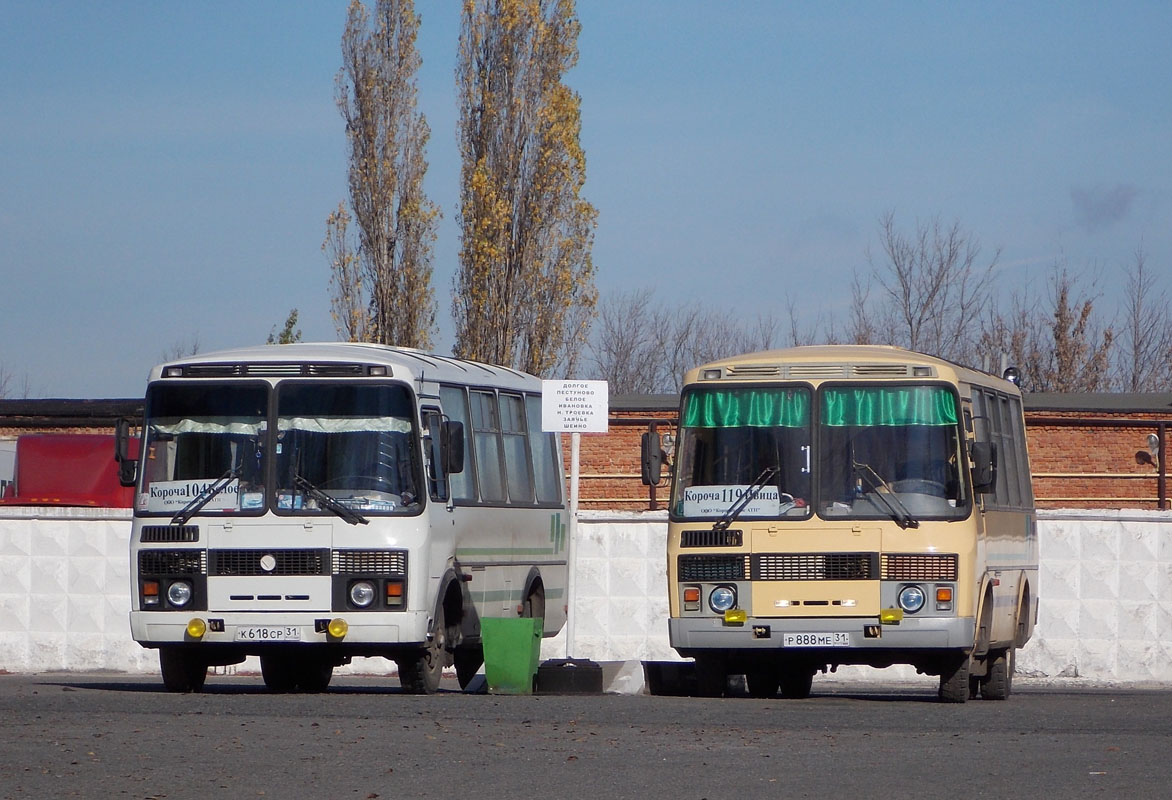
(524, 291)
(380, 275)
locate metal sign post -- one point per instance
(573, 407)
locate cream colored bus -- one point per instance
(312, 503)
(845, 505)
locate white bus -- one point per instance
(310, 503)
(850, 505)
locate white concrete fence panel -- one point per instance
(1105, 595)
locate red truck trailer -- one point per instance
(67, 469)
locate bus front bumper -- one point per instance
(255, 633)
(846, 635)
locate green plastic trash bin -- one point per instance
(512, 648)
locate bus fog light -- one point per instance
(362, 593)
(338, 628)
(196, 628)
(911, 598)
(179, 593)
(722, 599)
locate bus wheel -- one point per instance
(182, 671)
(278, 673)
(314, 675)
(420, 673)
(762, 682)
(711, 675)
(997, 683)
(796, 682)
(954, 681)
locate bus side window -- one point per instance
(547, 466)
(462, 484)
(437, 481)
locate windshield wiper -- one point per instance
(202, 499)
(734, 511)
(903, 518)
(329, 502)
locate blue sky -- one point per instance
(166, 168)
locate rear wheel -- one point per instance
(997, 682)
(182, 671)
(762, 682)
(314, 675)
(796, 682)
(278, 673)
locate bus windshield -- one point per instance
(353, 442)
(742, 441)
(889, 452)
(203, 439)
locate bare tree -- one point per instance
(1065, 348)
(182, 349)
(11, 386)
(381, 289)
(933, 289)
(524, 293)
(641, 346)
(1144, 361)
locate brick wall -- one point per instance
(1082, 448)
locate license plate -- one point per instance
(839, 639)
(268, 633)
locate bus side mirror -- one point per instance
(651, 458)
(984, 467)
(127, 466)
(452, 447)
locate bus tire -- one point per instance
(278, 673)
(762, 682)
(420, 672)
(997, 683)
(711, 675)
(182, 671)
(954, 681)
(796, 682)
(314, 675)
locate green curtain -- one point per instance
(902, 405)
(757, 408)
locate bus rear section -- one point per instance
(839, 506)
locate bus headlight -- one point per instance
(179, 594)
(722, 599)
(911, 598)
(362, 593)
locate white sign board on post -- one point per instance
(574, 407)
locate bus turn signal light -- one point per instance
(943, 598)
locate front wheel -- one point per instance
(711, 675)
(420, 672)
(182, 671)
(955, 686)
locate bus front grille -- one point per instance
(712, 568)
(919, 566)
(370, 562)
(169, 533)
(710, 537)
(814, 566)
(270, 562)
(172, 562)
